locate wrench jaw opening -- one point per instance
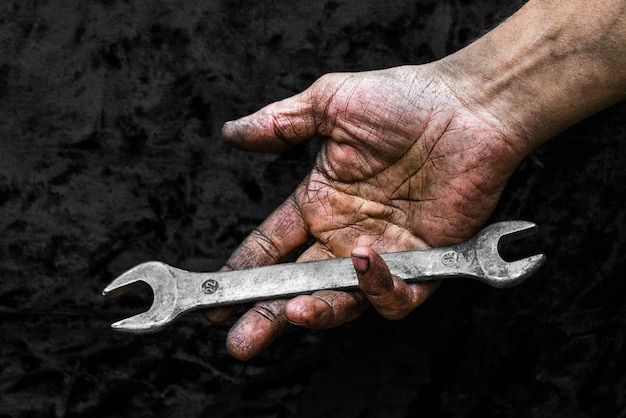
(164, 289)
(500, 273)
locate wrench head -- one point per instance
(159, 278)
(496, 271)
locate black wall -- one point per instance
(111, 155)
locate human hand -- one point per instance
(407, 164)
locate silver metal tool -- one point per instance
(177, 291)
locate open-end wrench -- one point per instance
(177, 291)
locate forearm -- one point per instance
(550, 65)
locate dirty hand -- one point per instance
(407, 164)
(410, 162)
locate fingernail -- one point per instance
(233, 133)
(361, 264)
(227, 126)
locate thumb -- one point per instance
(274, 127)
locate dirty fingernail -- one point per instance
(361, 264)
(227, 126)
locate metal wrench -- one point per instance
(177, 291)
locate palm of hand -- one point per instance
(405, 166)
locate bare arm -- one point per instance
(550, 65)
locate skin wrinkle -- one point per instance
(267, 244)
(293, 202)
(296, 206)
(265, 313)
(365, 146)
(348, 100)
(480, 184)
(330, 305)
(386, 290)
(421, 165)
(475, 184)
(407, 182)
(239, 343)
(467, 199)
(353, 132)
(374, 128)
(412, 103)
(402, 239)
(343, 164)
(381, 115)
(392, 163)
(319, 186)
(316, 251)
(515, 130)
(435, 143)
(362, 161)
(313, 318)
(313, 199)
(479, 111)
(328, 236)
(375, 147)
(358, 229)
(329, 118)
(284, 124)
(386, 218)
(280, 133)
(353, 194)
(246, 256)
(420, 97)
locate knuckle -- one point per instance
(258, 249)
(265, 312)
(285, 129)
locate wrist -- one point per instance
(547, 67)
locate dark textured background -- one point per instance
(110, 155)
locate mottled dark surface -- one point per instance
(110, 155)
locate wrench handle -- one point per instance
(204, 290)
